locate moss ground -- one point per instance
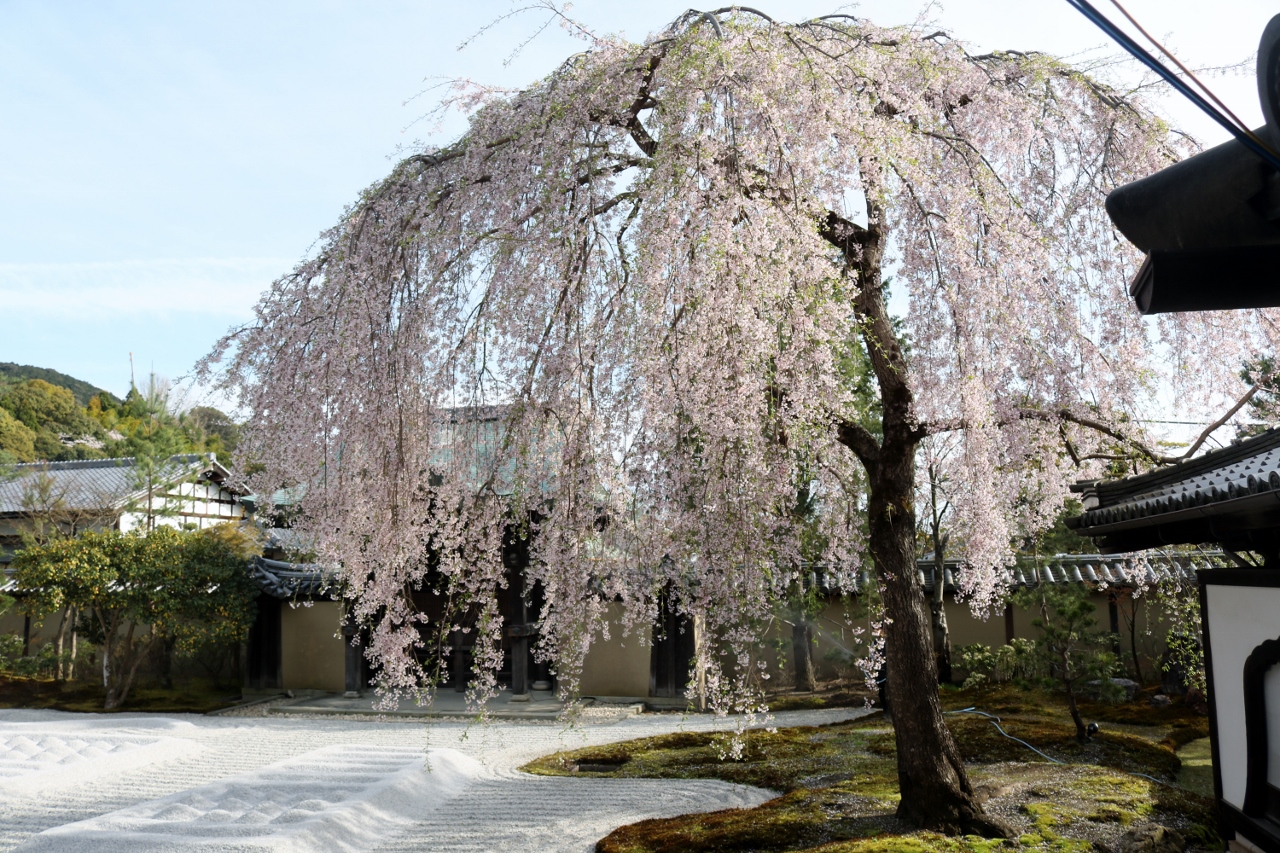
(839, 785)
(833, 696)
(195, 697)
(1197, 767)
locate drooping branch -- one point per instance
(1065, 415)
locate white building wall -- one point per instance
(1240, 619)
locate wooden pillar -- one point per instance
(1008, 623)
(460, 668)
(1113, 611)
(519, 634)
(519, 666)
(354, 658)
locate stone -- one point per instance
(1127, 687)
(1151, 838)
(1161, 701)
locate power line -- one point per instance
(1140, 53)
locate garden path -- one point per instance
(72, 782)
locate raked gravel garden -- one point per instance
(89, 782)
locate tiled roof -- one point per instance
(92, 484)
(289, 580)
(1107, 569)
(1099, 569)
(1177, 504)
(286, 539)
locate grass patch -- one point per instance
(981, 742)
(800, 820)
(1008, 699)
(1197, 767)
(195, 697)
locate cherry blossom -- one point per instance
(639, 303)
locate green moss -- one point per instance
(1010, 700)
(1196, 774)
(1059, 809)
(1184, 733)
(811, 701)
(841, 782)
(1047, 819)
(801, 820)
(920, 842)
(980, 741)
(785, 760)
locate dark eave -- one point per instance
(290, 580)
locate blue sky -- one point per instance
(161, 162)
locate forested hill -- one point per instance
(47, 415)
(13, 374)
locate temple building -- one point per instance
(1229, 498)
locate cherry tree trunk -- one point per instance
(936, 793)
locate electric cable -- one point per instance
(1190, 74)
(1142, 55)
(995, 721)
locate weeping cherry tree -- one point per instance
(628, 311)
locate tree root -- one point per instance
(965, 820)
(988, 826)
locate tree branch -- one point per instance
(859, 439)
(863, 249)
(1248, 395)
(1064, 415)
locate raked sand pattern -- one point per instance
(189, 783)
(34, 761)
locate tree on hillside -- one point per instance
(15, 374)
(657, 257)
(50, 412)
(213, 431)
(17, 440)
(153, 438)
(41, 420)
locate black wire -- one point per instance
(1140, 53)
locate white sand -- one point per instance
(34, 759)
(337, 798)
(299, 785)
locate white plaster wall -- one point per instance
(1240, 618)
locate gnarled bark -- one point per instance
(935, 790)
(936, 793)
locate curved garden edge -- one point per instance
(838, 785)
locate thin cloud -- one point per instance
(160, 288)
